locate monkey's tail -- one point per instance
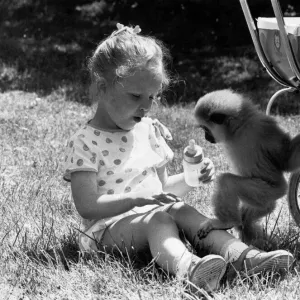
(292, 163)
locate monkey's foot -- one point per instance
(210, 224)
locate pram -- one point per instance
(277, 43)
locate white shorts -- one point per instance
(92, 238)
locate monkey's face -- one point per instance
(218, 113)
(214, 132)
(213, 125)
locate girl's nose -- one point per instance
(146, 105)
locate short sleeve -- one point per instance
(81, 155)
(158, 142)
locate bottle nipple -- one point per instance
(191, 148)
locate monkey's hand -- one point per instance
(208, 171)
(211, 224)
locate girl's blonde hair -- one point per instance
(122, 53)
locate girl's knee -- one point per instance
(160, 218)
(181, 207)
(185, 214)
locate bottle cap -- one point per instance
(193, 153)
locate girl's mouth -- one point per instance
(137, 119)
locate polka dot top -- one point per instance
(125, 161)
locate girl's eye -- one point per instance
(136, 96)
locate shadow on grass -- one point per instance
(68, 253)
(44, 48)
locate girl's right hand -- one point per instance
(161, 199)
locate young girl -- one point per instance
(117, 167)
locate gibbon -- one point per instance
(258, 150)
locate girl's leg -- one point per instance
(222, 243)
(159, 231)
(188, 220)
(156, 230)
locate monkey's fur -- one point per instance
(259, 152)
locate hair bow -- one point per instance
(121, 27)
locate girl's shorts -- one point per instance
(92, 238)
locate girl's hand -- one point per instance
(161, 199)
(208, 172)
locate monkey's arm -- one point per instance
(252, 192)
(211, 224)
(226, 206)
(293, 162)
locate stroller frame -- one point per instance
(289, 85)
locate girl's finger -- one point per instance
(163, 198)
(174, 197)
(155, 201)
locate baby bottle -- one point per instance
(192, 163)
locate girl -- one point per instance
(117, 167)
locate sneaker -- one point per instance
(207, 273)
(276, 261)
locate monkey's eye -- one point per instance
(218, 118)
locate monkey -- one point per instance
(259, 153)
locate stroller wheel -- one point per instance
(294, 197)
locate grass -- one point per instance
(38, 220)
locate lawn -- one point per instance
(40, 258)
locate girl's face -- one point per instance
(127, 101)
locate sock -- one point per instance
(232, 250)
(185, 264)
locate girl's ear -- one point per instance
(218, 118)
(101, 86)
(96, 91)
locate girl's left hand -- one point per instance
(166, 198)
(208, 172)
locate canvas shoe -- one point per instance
(261, 262)
(207, 272)
(276, 261)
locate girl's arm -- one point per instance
(175, 184)
(90, 204)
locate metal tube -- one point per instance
(278, 93)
